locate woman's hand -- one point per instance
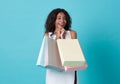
(57, 33)
(60, 32)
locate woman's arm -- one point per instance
(73, 34)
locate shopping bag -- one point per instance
(75, 68)
(70, 52)
(49, 56)
(42, 53)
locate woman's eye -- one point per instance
(59, 18)
(64, 18)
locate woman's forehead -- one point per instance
(61, 14)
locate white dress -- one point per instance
(57, 77)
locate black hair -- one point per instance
(50, 21)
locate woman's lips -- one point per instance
(61, 25)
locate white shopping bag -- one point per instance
(42, 54)
(49, 55)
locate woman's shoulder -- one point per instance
(73, 34)
(72, 31)
(46, 34)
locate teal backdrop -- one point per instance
(97, 23)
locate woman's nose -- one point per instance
(62, 20)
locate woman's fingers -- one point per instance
(62, 30)
(60, 33)
(57, 33)
(63, 33)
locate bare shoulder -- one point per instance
(73, 34)
(45, 34)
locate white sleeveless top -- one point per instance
(56, 77)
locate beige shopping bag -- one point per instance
(70, 52)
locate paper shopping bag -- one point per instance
(49, 55)
(76, 68)
(42, 53)
(53, 60)
(70, 52)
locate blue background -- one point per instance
(97, 23)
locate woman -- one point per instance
(57, 26)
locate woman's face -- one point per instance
(60, 20)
